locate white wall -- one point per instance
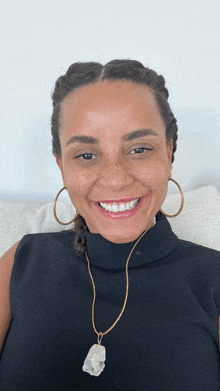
(39, 40)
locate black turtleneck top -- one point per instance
(166, 339)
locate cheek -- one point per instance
(77, 182)
(155, 175)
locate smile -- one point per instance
(120, 207)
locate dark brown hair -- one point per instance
(84, 73)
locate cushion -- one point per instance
(199, 221)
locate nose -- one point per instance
(115, 175)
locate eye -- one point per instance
(140, 150)
(86, 156)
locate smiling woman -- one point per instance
(117, 138)
(118, 151)
(158, 297)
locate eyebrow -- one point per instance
(127, 137)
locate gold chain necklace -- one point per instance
(95, 359)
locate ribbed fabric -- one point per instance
(166, 339)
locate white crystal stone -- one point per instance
(94, 362)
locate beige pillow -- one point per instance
(199, 221)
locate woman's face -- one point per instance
(114, 151)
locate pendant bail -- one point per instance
(100, 336)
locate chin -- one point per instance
(122, 236)
(120, 231)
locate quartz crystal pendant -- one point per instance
(94, 362)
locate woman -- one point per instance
(118, 303)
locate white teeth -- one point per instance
(132, 204)
(121, 207)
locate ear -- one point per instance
(59, 163)
(169, 154)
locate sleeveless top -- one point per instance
(166, 339)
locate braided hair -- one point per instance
(85, 73)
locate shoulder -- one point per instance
(39, 252)
(195, 249)
(47, 237)
(198, 258)
(7, 259)
(45, 243)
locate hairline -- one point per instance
(102, 79)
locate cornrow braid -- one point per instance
(80, 225)
(85, 73)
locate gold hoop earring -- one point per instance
(182, 201)
(54, 209)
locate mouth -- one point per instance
(119, 206)
(120, 209)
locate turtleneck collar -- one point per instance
(157, 242)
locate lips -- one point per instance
(120, 206)
(120, 214)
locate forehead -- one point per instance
(114, 102)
